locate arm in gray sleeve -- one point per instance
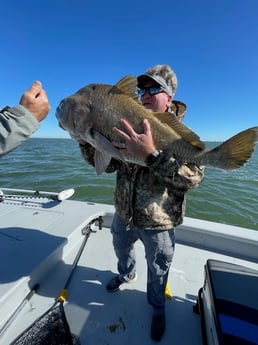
(16, 125)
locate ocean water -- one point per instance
(229, 197)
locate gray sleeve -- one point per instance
(16, 125)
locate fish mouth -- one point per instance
(59, 116)
(66, 122)
(63, 120)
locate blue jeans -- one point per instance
(159, 249)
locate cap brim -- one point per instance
(142, 79)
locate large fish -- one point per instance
(91, 113)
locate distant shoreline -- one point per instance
(63, 138)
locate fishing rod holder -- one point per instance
(89, 227)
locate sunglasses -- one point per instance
(153, 90)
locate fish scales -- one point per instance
(92, 112)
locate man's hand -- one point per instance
(36, 101)
(141, 145)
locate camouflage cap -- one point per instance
(161, 74)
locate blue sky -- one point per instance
(212, 45)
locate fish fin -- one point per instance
(236, 151)
(104, 151)
(101, 161)
(185, 133)
(127, 86)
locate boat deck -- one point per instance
(40, 239)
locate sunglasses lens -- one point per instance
(141, 92)
(152, 90)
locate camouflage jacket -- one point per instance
(151, 197)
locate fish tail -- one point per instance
(236, 151)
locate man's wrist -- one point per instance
(153, 157)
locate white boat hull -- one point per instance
(40, 238)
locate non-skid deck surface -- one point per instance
(124, 317)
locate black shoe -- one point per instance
(158, 325)
(115, 283)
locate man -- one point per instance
(149, 201)
(19, 122)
